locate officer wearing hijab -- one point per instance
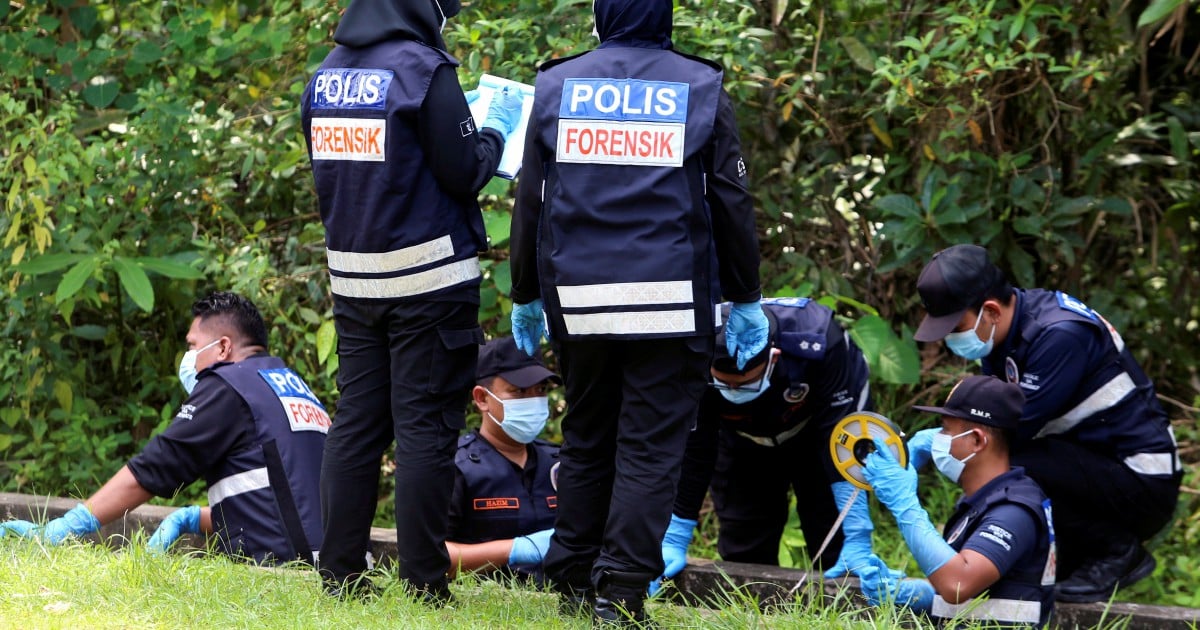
(398, 162)
(1092, 432)
(249, 426)
(504, 502)
(996, 563)
(764, 430)
(631, 220)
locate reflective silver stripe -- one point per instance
(640, 323)
(1152, 463)
(395, 260)
(1008, 610)
(404, 286)
(776, 440)
(625, 294)
(240, 483)
(1106, 396)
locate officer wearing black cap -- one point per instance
(504, 502)
(996, 563)
(1092, 432)
(764, 429)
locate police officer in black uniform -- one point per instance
(398, 162)
(996, 564)
(765, 429)
(632, 219)
(1092, 431)
(250, 427)
(504, 502)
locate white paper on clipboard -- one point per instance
(514, 146)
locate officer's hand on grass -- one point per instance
(504, 112)
(182, 521)
(896, 487)
(919, 447)
(878, 587)
(746, 332)
(528, 326)
(531, 549)
(76, 522)
(856, 552)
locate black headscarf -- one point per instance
(637, 23)
(368, 22)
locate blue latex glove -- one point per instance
(919, 446)
(896, 488)
(856, 552)
(182, 521)
(77, 522)
(21, 529)
(912, 593)
(528, 325)
(472, 96)
(530, 549)
(746, 332)
(674, 549)
(504, 112)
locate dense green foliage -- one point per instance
(151, 152)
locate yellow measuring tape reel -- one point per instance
(853, 439)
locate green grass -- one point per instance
(81, 585)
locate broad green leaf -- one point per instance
(1158, 10)
(169, 268)
(502, 276)
(135, 282)
(899, 205)
(858, 53)
(91, 332)
(64, 395)
(101, 95)
(73, 280)
(498, 223)
(871, 333)
(326, 340)
(899, 363)
(48, 263)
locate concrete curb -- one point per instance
(703, 582)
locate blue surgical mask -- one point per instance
(524, 418)
(946, 463)
(741, 395)
(967, 344)
(187, 367)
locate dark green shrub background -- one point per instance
(151, 152)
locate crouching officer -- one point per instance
(1000, 539)
(504, 502)
(764, 429)
(1092, 434)
(250, 427)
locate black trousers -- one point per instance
(404, 374)
(750, 494)
(1100, 506)
(630, 406)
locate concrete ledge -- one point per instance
(703, 582)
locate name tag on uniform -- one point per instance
(499, 503)
(622, 121)
(304, 411)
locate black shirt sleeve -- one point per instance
(699, 460)
(458, 498)
(526, 287)
(463, 157)
(212, 423)
(732, 208)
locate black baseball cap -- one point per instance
(501, 357)
(983, 399)
(955, 279)
(724, 363)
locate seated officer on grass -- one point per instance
(504, 502)
(250, 427)
(997, 561)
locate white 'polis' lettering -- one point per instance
(350, 88)
(608, 99)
